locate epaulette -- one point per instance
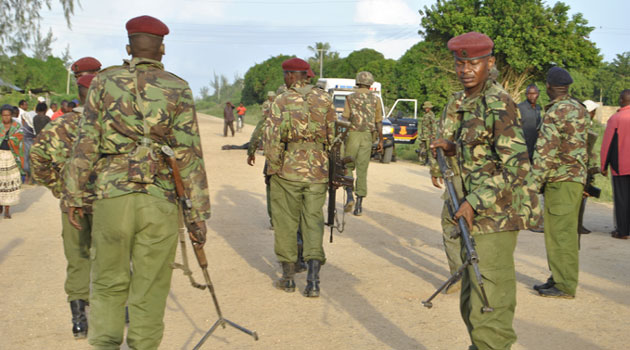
(177, 77)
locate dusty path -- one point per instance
(377, 273)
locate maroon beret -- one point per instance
(86, 64)
(86, 80)
(310, 73)
(471, 45)
(147, 25)
(296, 65)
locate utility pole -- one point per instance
(68, 82)
(321, 62)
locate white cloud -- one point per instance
(386, 12)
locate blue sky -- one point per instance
(229, 36)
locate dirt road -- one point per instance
(377, 273)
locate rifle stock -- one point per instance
(337, 173)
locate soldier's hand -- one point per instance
(72, 211)
(605, 171)
(251, 160)
(449, 147)
(466, 211)
(585, 194)
(435, 180)
(197, 232)
(379, 148)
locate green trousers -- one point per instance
(424, 151)
(298, 205)
(450, 230)
(139, 232)
(562, 208)
(76, 247)
(359, 147)
(492, 330)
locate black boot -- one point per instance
(358, 210)
(550, 283)
(286, 282)
(301, 264)
(350, 201)
(312, 279)
(79, 319)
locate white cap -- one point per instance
(590, 105)
(41, 99)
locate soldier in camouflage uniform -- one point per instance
(560, 166)
(427, 133)
(296, 139)
(131, 112)
(499, 196)
(49, 154)
(593, 161)
(363, 110)
(255, 141)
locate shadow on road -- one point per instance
(6, 250)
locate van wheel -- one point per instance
(387, 155)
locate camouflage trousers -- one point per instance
(424, 151)
(76, 247)
(491, 330)
(297, 205)
(134, 231)
(359, 146)
(562, 206)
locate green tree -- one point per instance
(263, 77)
(426, 72)
(383, 72)
(19, 21)
(41, 45)
(529, 36)
(348, 67)
(33, 74)
(612, 78)
(321, 51)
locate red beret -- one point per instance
(471, 45)
(86, 80)
(86, 64)
(146, 24)
(296, 65)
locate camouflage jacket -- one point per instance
(561, 153)
(492, 159)
(298, 134)
(363, 110)
(50, 153)
(256, 138)
(427, 126)
(113, 123)
(591, 139)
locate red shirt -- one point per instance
(619, 123)
(57, 114)
(241, 110)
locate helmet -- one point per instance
(365, 78)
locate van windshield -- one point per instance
(339, 101)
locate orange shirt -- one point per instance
(241, 110)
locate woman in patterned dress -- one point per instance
(11, 161)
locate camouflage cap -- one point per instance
(427, 104)
(271, 94)
(471, 46)
(365, 78)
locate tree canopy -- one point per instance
(19, 22)
(263, 77)
(529, 36)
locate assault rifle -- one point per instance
(469, 243)
(185, 205)
(337, 175)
